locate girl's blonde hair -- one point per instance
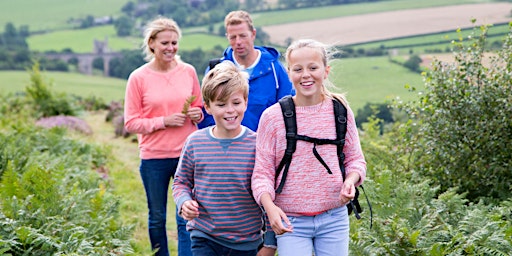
(326, 52)
(222, 81)
(152, 29)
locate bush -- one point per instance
(464, 129)
(53, 202)
(46, 102)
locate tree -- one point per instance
(124, 25)
(413, 63)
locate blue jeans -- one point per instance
(325, 234)
(156, 175)
(205, 247)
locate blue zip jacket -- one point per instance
(268, 83)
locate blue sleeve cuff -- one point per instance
(269, 239)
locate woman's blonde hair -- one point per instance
(152, 29)
(222, 81)
(326, 52)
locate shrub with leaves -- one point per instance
(463, 121)
(52, 200)
(47, 102)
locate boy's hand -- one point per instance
(266, 251)
(189, 210)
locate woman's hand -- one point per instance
(176, 119)
(195, 114)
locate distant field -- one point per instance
(73, 83)
(81, 41)
(382, 81)
(54, 14)
(327, 12)
(373, 80)
(392, 24)
(438, 41)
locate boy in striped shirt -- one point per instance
(212, 187)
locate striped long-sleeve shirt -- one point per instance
(217, 174)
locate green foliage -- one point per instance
(464, 129)
(47, 102)
(413, 63)
(381, 111)
(52, 200)
(413, 217)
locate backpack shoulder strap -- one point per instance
(290, 123)
(213, 62)
(340, 118)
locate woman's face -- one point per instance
(165, 45)
(307, 73)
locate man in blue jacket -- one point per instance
(268, 79)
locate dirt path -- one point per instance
(386, 25)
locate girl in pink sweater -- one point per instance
(157, 109)
(310, 214)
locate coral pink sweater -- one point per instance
(308, 188)
(150, 96)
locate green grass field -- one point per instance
(51, 15)
(382, 81)
(81, 41)
(374, 80)
(73, 83)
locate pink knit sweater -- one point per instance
(308, 188)
(150, 96)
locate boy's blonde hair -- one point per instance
(222, 81)
(153, 28)
(326, 52)
(238, 17)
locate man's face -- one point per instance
(241, 39)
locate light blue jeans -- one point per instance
(326, 234)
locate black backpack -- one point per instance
(290, 121)
(213, 62)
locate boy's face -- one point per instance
(228, 115)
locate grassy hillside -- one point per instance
(73, 83)
(81, 41)
(44, 15)
(373, 80)
(364, 79)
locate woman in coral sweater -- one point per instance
(162, 106)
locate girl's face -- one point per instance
(307, 73)
(165, 45)
(228, 115)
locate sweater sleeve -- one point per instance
(184, 177)
(263, 176)
(133, 109)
